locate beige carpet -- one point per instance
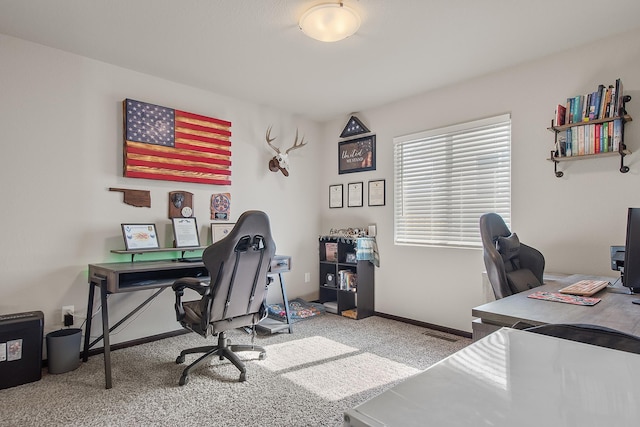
(309, 378)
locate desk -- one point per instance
(614, 311)
(132, 276)
(513, 378)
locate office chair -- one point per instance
(591, 334)
(235, 297)
(512, 267)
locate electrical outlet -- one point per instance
(307, 277)
(67, 309)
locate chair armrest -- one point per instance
(179, 286)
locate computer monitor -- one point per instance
(631, 271)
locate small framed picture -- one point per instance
(335, 196)
(377, 192)
(357, 155)
(351, 257)
(355, 194)
(185, 232)
(220, 231)
(140, 236)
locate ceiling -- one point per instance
(253, 50)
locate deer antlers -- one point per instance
(280, 162)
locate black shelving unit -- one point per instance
(360, 298)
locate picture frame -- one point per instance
(351, 258)
(336, 198)
(220, 231)
(140, 236)
(355, 194)
(377, 192)
(185, 232)
(357, 155)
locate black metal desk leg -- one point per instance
(87, 328)
(286, 303)
(105, 337)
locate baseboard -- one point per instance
(452, 331)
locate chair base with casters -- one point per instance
(224, 350)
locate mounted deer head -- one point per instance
(280, 162)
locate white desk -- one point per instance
(514, 378)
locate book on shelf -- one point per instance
(562, 148)
(561, 112)
(605, 102)
(579, 136)
(619, 101)
(617, 134)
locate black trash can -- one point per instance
(63, 350)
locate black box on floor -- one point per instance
(20, 348)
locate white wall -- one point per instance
(60, 121)
(572, 220)
(61, 127)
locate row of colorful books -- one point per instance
(591, 138)
(605, 102)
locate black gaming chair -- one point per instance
(235, 297)
(512, 267)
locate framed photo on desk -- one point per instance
(185, 232)
(140, 236)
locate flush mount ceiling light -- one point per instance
(329, 22)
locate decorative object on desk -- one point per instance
(140, 236)
(354, 127)
(335, 196)
(372, 230)
(351, 257)
(220, 231)
(357, 155)
(221, 206)
(138, 198)
(172, 145)
(354, 194)
(180, 204)
(569, 299)
(280, 162)
(299, 309)
(185, 232)
(377, 195)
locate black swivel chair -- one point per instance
(235, 297)
(512, 267)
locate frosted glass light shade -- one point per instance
(329, 22)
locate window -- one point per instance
(445, 179)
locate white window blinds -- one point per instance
(446, 178)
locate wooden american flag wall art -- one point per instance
(172, 145)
